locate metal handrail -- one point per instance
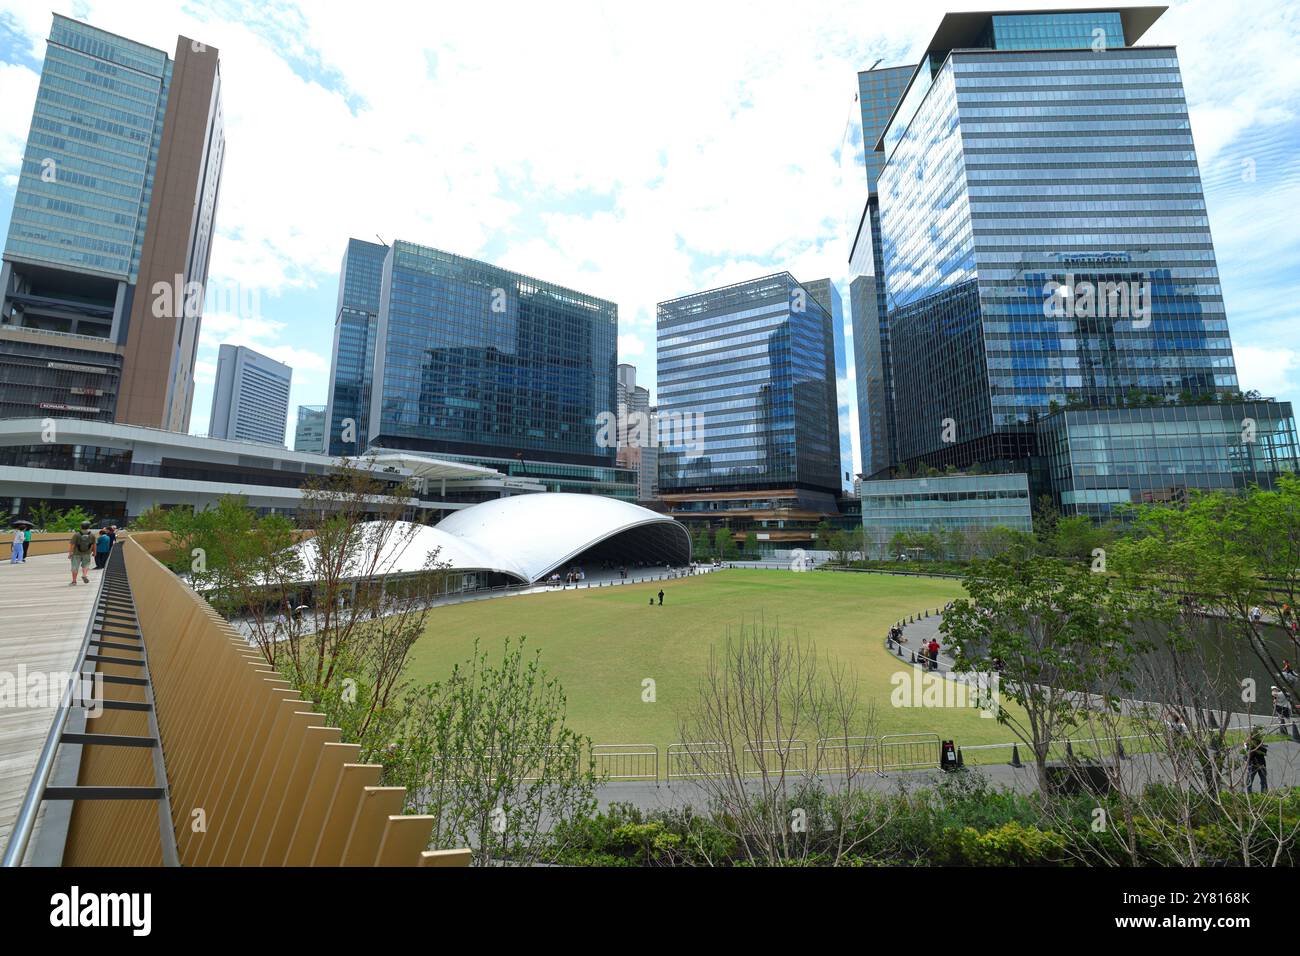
(25, 822)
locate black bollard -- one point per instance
(1015, 756)
(1295, 733)
(1214, 724)
(961, 761)
(1119, 744)
(1069, 751)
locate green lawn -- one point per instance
(603, 643)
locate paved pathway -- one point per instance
(920, 631)
(44, 623)
(1139, 769)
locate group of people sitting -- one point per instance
(572, 576)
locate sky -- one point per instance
(634, 153)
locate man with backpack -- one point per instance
(1256, 760)
(81, 551)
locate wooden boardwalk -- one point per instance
(42, 623)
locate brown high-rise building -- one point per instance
(106, 263)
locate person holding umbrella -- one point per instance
(25, 526)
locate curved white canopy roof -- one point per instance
(525, 536)
(542, 532)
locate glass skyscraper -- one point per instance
(825, 292)
(117, 192)
(355, 321)
(878, 93)
(749, 372)
(1056, 155)
(1051, 300)
(439, 354)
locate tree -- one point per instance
(1059, 637)
(335, 604)
(724, 545)
(1227, 555)
(1077, 537)
(702, 546)
(1046, 515)
(154, 518)
(487, 754)
(769, 719)
(44, 515)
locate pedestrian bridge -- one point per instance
(190, 751)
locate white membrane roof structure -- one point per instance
(527, 537)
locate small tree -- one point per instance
(487, 753)
(45, 516)
(1059, 635)
(770, 719)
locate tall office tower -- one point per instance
(878, 93)
(747, 382)
(478, 364)
(309, 433)
(647, 475)
(1030, 152)
(250, 401)
(637, 446)
(356, 318)
(824, 291)
(101, 288)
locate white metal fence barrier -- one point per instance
(774, 756)
(909, 752)
(626, 761)
(688, 760)
(848, 754)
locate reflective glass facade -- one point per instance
(355, 322)
(471, 359)
(828, 296)
(755, 363)
(878, 95)
(1019, 170)
(309, 432)
(1099, 459)
(87, 174)
(1054, 31)
(968, 502)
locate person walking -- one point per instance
(103, 545)
(661, 597)
(1256, 760)
(16, 557)
(934, 654)
(81, 549)
(1281, 708)
(27, 541)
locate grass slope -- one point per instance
(602, 643)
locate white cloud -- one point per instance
(630, 346)
(19, 85)
(1270, 370)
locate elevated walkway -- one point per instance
(44, 620)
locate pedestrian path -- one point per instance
(921, 631)
(45, 621)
